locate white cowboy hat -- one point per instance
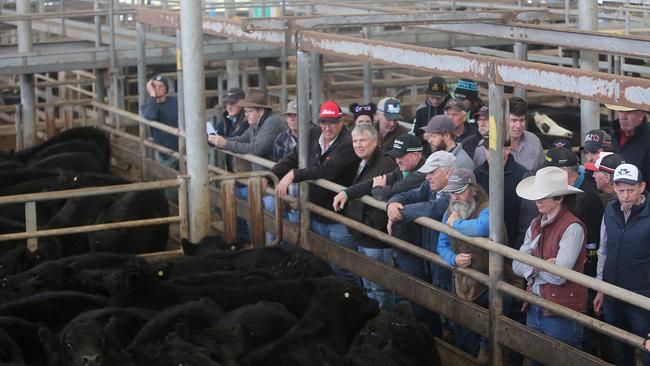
(548, 182)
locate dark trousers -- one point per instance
(634, 320)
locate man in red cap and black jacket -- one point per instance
(331, 157)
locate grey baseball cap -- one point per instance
(438, 124)
(459, 180)
(436, 160)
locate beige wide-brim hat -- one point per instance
(620, 108)
(548, 182)
(255, 98)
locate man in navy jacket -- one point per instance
(631, 138)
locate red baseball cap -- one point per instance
(330, 111)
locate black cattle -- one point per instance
(96, 337)
(77, 146)
(81, 162)
(405, 342)
(133, 206)
(8, 166)
(53, 309)
(224, 279)
(88, 134)
(21, 176)
(211, 246)
(25, 335)
(174, 351)
(195, 317)
(17, 260)
(245, 329)
(337, 311)
(182, 266)
(9, 350)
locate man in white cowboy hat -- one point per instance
(631, 137)
(624, 259)
(557, 236)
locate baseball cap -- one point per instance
(405, 144)
(620, 108)
(330, 112)
(561, 143)
(437, 87)
(459, 180)
(436, 160)
(595, 140)
(391, 108)
(466, 88)
(439, 123)
(484, 111)
(627, 173)
(456, 104)
(292, 107)
(560, 157)
(234, 95)
(607, 162)
(162, 79)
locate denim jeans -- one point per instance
(172, 163)
(383, 296)
(564, 330)
(241, 191)
(467, 340)
(338, 233)
(292, 215)
(634, 320)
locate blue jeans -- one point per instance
(338, 233)
(172, 163)
(385, 297)
(562, 329)
(467, 340)
(241, 191)
(634, 320)
(269, 205)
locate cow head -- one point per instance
(91, 344)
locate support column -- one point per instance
(316, 84)
(98, 25)
(193, 87)
(261, 74)
(367, 73)
(100, 93)
(589, 111)
(283, 69)
(232, 66)
(521, 54)
(114, 70)
(27, 92)
(497, 222)
(302, 93)
(182, 142)
(142, 92)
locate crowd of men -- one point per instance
(592, 218)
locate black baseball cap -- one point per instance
(234, 95)
(405, 144)
(437, 86)
(596, 140)
(162, 79)
(560, 157)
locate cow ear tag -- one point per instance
(346, 295)
(160, 273)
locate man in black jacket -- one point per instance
(331, 157)
(365, 141)
(231, 122)
(631, 138)
(437, 97)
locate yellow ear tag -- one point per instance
(346, 295)
(160, 273)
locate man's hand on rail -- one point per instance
(284, 183)
(339, 201)
(598, 303)
(393, 211)
(379, 181)
(463, 260)
(265, 183)
(218, 141)
(389, 227)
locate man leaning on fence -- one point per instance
(330, 157)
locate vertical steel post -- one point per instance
(142, 91)
(567, 9)
(100, 93)
(18, 119)
(521, 54)
(589, 111)
(27, 92)
(194, 110)
(302, 92)
(316, 85)
(232, 66)
(497, 222)
(98, 25)
(283, 68)
(182, 141)
(31, 225)
(367, 73)
(115, 80)
(261, 74)
(182, 208)
(50, 123)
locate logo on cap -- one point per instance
(393, 108)
(624, 172)
(592, 137)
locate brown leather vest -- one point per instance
(569, 294)
(466, 287)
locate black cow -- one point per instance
(9, 350)
(133, 206)
(181, 266)
(174, 351)
(338, 310)
(195, 316)
(81, 162)
(78, 146)
(96, 337)
(224, 279)
(25, 335)
(245, 329)
(17, 260)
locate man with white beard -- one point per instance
(468, 213)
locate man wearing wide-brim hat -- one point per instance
(631, 137)
(557, 236)
(264, 128)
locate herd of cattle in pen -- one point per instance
(86, 299)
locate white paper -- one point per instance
(210, 129)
